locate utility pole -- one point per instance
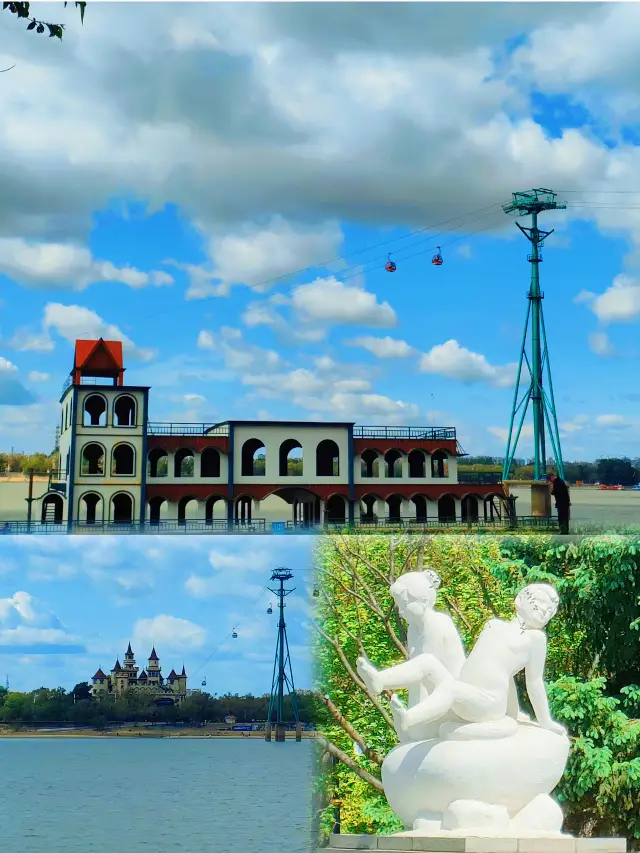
(532, 203)
(282, 672)
(30, 500)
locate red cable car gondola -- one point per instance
(436, 260)
(390, 265)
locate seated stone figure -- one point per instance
(484, 690)
(428, 632)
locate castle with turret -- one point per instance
(127, 676)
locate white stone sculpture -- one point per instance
(469, 762)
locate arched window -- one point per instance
(417, 466)
(210, 462)
(123, 460)
(393, 464)
(157, 462)
(92, 460)
(369, 464)
(254, 458)
(291, 464)
(122, 508)
(52, 509)
(327, 459)
(124, 411)
(439, 464)
(95, 410)
(183, 463)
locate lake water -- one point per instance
(134, 795)
(592, 506)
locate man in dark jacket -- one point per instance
(561, 493)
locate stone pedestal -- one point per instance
(451, 844)
(540, 495)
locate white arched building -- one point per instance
(119, 468)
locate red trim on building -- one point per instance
(382, 445)
(173, 492)
(431, 492)
(260, 491)
(197, 443)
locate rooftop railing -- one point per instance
(426, 433)
(162, 428)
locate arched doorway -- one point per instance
(183, 463)
(420, 503)
(155, 509)
(447, 508)
(394, 508)
(327, 459)
(417, 464)
(158, 462)
(210, 462)
(215, 509)
(393, 464)
(469, 509)
(92, 462)
(439, 465)
(336, 510)
(91, 508)
(368, 509)
(254, 458)
(94, 411)
(243, 510)
(369, 464)
(123, 460)
(52, 509)
(187, 509)
(122, 506)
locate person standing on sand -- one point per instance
(560, 491)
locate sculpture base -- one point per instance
(447, 843)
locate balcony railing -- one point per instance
(160, 428)
(426, 433)
(256, 525)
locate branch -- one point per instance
(453, 606)
(345, 759)
(354, 677)
(371, 754)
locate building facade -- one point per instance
(120, 468)
(127, 677)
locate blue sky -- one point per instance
(155, 205)
(69, 605)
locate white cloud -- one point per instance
(27, 625)
(169, 632)
(60, 266)
(237, 354)
(36, 376)
(72, 322)
(600, 344)
(384, 347)
(620, 302)
(613, 421)
(329, 301)
(7, 366)
(256, 256)
(503, 432)
(455, 362)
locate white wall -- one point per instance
(309, 437)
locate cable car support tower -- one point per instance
(542, 401)
(282, 672)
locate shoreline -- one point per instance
(191, 734)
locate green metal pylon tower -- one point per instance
(282, 672)
(532, 203)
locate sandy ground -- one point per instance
(592, 506)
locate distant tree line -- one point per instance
(611, 471)
(79, 708)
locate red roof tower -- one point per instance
(98, 359)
